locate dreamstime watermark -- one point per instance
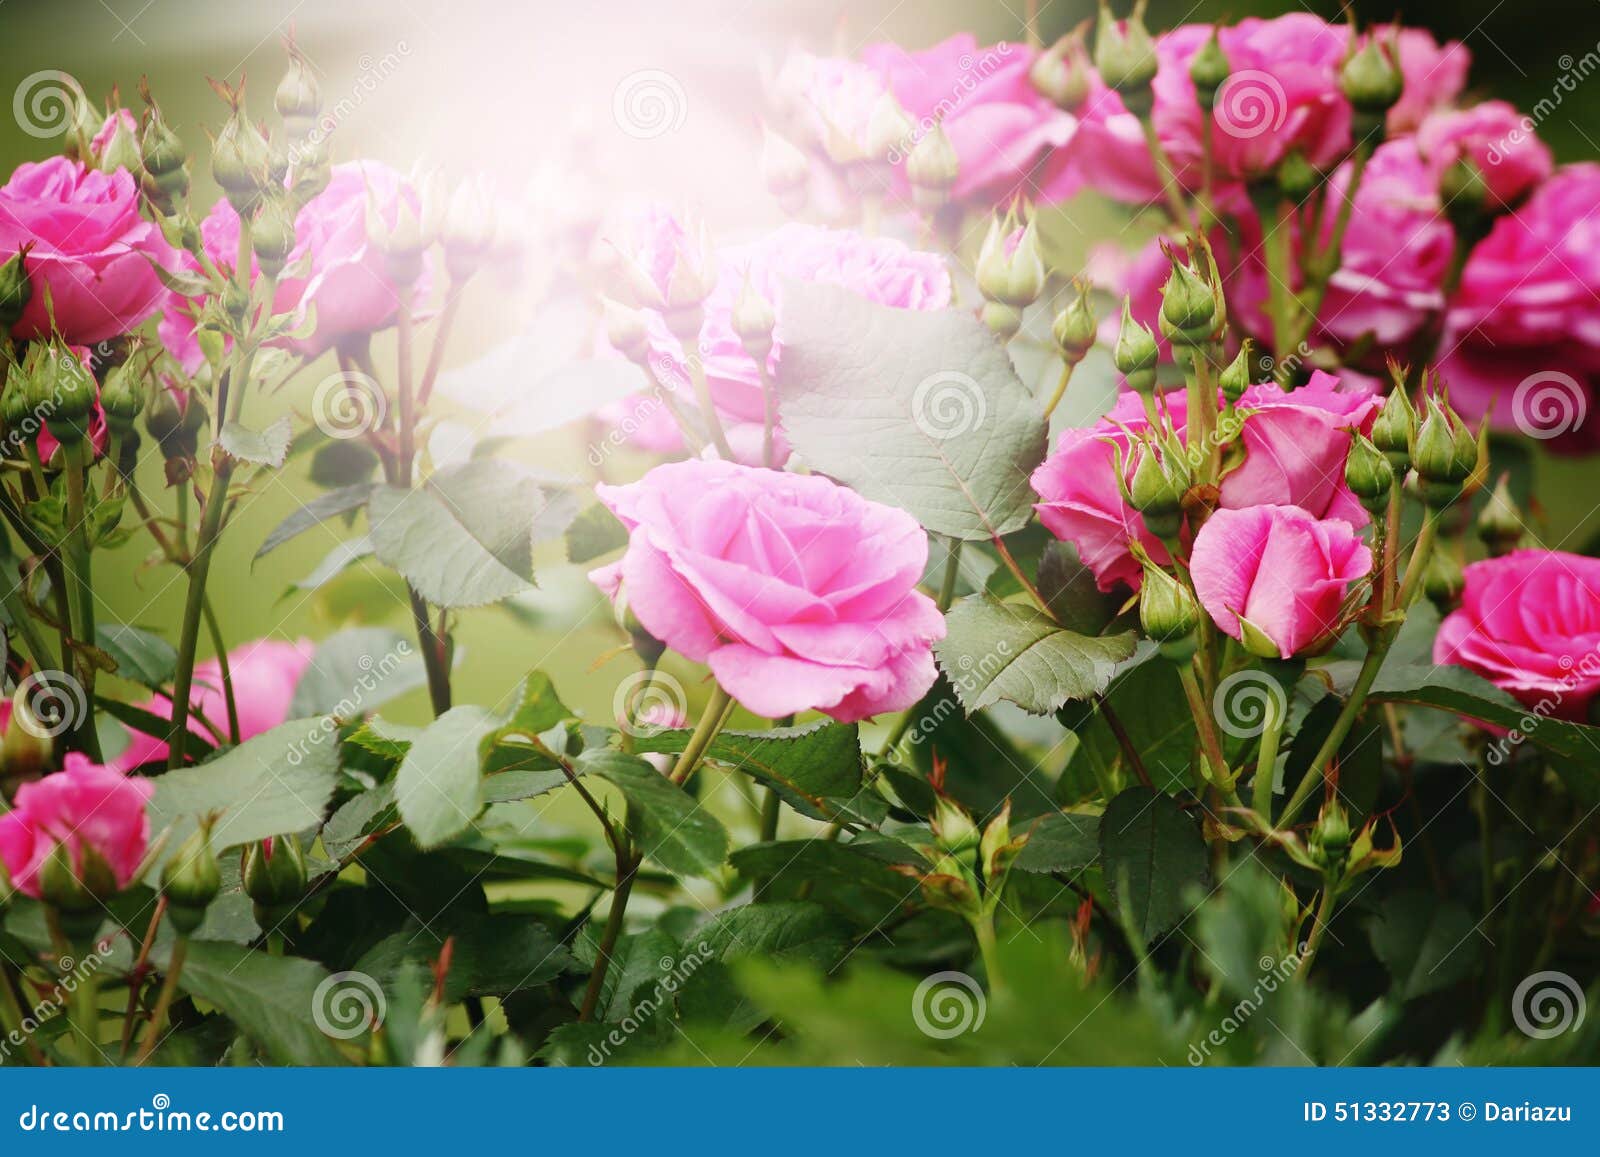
(374, 71)
(967, 674)
(52, 703)
(1251, 102)
(647, 702)
(1547, 1004)
(348, 404)
(160, 1117)
(649, 103)
(947, 1004)
(1549, 404)
(347, 1004)
(1576, 673)
(1274, 972)
(970, 73)
(1247, 702)
(948, 404)
(56, 1000)
(670, 379)
(675, 973)
(45, 103)
(1573, 72)
(373, 674)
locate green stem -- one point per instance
(988, 948)
(1060, 390)
(771, 807)
(717, 707)
(85, 1013)
(1318, 770)
(1419, 560)
(169, 989)
(82, 598)
(1206, 724)
(199, 569)
(224, 668)
(702, 393)
(1169, 181)
(1280, 295)
(1022, 579)
(1319, 926)
(952, 571)
(11, 1018)
(1480, 805)
(1267, 760)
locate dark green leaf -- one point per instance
(141, 656)
(276, 1000)
(817, 767)
(593, 533)
(674, 829)
(1060, 842)
(1152, 854)
(1426, 943)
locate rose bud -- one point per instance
(1136, 352)
(122, 397)
(1296, 177)
(1188, 307)
(1330, 838)
(1074, 328)
(889, 129)
(932, 169)
(161, 154)
(1156, 490)
(1125, 57)
(1500, 523)
(625, 330)
(1395, 429)
(753, 320)
(1446, 455)
(274, 875)
(953, 828)
(272, 234)
(1209, 69)
(1368, 474)
(240, 159)
(1235, 377)
(1061, 73)
(190, 880)
(1443, 580)
(70, 402)
(1372, 83)
(1010, 269)
(1168, 613)
(298, 99)
(468, 229)
(15, 288)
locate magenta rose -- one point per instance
(880, 269)
(1494, 137)
(90, 264)
(347, 280)
(1279, 569)
(1434, 76)
(1529, 622)
(999, 124)
(83, 806)
(264, 675)
(1295, 445)
(798, 593)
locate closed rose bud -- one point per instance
(26, 749)
(1010, 269)
(15, 406)
(1156, 490)
(1074, 328)
(785, 171)
(122, 396)
(1061, 74)
(272, 234)
(191, 879)
(122, 150)
(1443, 580)
(1136, 352)
(274, 874)
(889, 130)
(1002, 319)
(72, 397)
(932, 169)
(160, 149)
(1369, 475)
(1464, 193)
(1395, 429)
(1188, 307)
(297, 98)
(1125, 56)
(753, 320)
(1235, 377)
(1330, 839)
(1296, 177)
(1500, 524)
(1371, 80)
(1168, 612)
(15, 288)
(625, 330)
(240, 159)
(1446, 453)
(953, 828)
(1209, 69)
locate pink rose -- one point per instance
(1529, 623)
(880, 269)
(999, 124)
(83, 806)
(1434, 76)
(1294, 443)
(830, 99)
(1280, 569)
(797, 592)
(264, 675)
(1494, 137)
(90, 261)
(347, 280)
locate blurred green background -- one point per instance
(478, 85)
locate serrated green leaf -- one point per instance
(1152, 854)
(269, 447)
(1426, 943)
(141, 656)
(355, 671)
(439, 786)
(674, 829)
(1060, 842)
(593, 533)
(818, 767)
(994, 650)
(318, 510)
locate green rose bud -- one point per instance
(1296, 177)
(1074, 328)
(1369, 475)
(272, 234)
(71, 400)
(753, 321)
(1188, 306)
(1156, 490)
(1209, 69)
(1395, 429)
(15, 288)
(1500, 524)
(1371, 80)
(240, 160)
(1330, 839)
(1443, 581)
(1168, 612)
(1446, 454)
(1136, 352)
(932, 168)
(1125, 57)
(298, 100)
(1235, 377)
(625, 330)
(122, 396)
(953, 828)
(191, 879)
(1061, 73)
(274, 872)
(785, 171)
(1010, 268)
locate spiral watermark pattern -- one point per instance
(649, 103)
(947, 1004)
(45, 103)
(948, 404)
(347, 1004)
(1547, 1004)
(1250, 103)
(647, 702)
(348, 405)
(51, 702)
(1549, 404)
(1246, 702)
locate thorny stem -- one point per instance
(1319, 926)
(717, 708)
(1016, 572)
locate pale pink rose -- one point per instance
(879, 269)
(1497, 139)
(82, 806)
(264, 675)
(1434, 75)
(830, 99)
(347, 280)
(1295, 445)
(1280, 568)
(121, 118)
(90, 262)
(1529, 622)
(797, 592)
(999, 124)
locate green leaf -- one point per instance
(355, 671)
(269, 447)
(321, 508)
(1060, 842)
(674, 829)
(141, 656)
(919, 409)
(493, 955)
(994, 650)
(148, 723)
(1426, 943)
(275, 1000)
(856, 880)
(1152, 854)
(274, 784)
(816, 767)
(466, 538)
(439, 787)
(593, 533)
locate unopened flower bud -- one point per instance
(240, 158)
(1060, 74)
(77, 885)
(122, 395)
(1156, 489)
(1136, 352)
(1125, 56)
(274, 873)
(1371, 80)
(1296, 177)
(1500, 523)
(27, 747)
(626, 330)
(15, 289)
(1330, 839)
(1168, 612)
(272, 234)
(1010, 268)
(1395, 429)
(753, 320)
(468, 230)
(1235, 377)
(1446, 453)
(1369, 475)
(953, 828)
(297, 99)
(160, 150)
(785, 171)
(1188, 307)
(932, 169)
(997, 850)
(122, 150)
(1074, 328)
(71, 399)
(1209, 69)
(190, 880)
(1443, 581)
(1464, 193)
(889, 129)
